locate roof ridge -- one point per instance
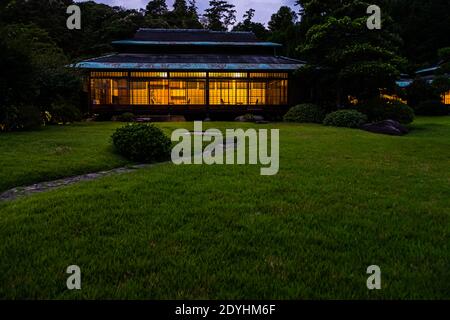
(162, 30)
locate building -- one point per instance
(191, 72)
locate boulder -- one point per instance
(249, 118)
(389, 127)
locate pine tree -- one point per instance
(220, 15)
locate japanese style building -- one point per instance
(191, 72)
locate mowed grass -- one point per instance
(342, 201)
(56, 152)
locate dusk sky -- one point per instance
(264, 8)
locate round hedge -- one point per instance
(345, 118)
(142, 143)
(305, 113)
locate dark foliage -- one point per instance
(432, 108)
(379, 109)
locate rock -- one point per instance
(249, 118)
(389, 127)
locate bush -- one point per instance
(383, 109)
(345, 118)
(142, 143)
(432, 108)
(305, 113)
(19, 117)
(126, 117)
(64, 112)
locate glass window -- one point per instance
(184, 92)
(269, 75)
(228, 75)
(159, 92)
(109, 74)
(277, 92)
(188, 74)
(446, 98)
(257, 93)
(233, 92)
(139, 92)
(101, 92)
(149, 74)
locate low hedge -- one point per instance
(345, 118)
(305, 113)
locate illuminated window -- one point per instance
(139, 92)
(277, 92)
(258, 92)
(269, 75)
(228, 75)
(446, 98)
(159, 92)
(232, 92)
(109, 74)
(109, 91)
(149, 74)
(101, 91)
(120, 92)
(188, 74)
(187, 92)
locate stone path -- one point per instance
(46, 186)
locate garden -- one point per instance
(344, 199)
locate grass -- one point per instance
(343, 200)
(56, 152)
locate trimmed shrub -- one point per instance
(383, 109)
(142, 143)
(432, 108)
(345, 118)
(305, 113)
(126, 117)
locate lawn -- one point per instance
(343, 200)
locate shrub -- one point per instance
(19, 117)
(345, 118)
(126, 117)
(64, 112)
(305, 113)
(142, 143)
(383, 109)
(432, 108)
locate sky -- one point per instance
(264, 8)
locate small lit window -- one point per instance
(149, 74)
(188, 74)
(228, 75)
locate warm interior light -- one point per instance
(188, 88)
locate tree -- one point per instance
(424, 25)
(284, 30)
(284, 19)
(248, 25)
(156, 8)
(346, 58)
(184, 15)
(220, 15)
